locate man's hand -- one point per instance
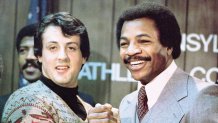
(103, 114)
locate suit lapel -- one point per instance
(167, 108)
(129, 108)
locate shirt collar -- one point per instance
(155, 87)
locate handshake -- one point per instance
(103, 114)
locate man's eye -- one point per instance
(72, 48)
(144, 41)
(52, 48)
(123, 44)
(22, 50)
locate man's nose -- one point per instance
(133, 49)
(30, 54)
(62, 54)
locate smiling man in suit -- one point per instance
(148, 37)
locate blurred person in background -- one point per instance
(28, 67)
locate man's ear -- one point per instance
(169, 51)
(84, 60)
(39, 59)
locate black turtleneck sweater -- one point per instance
(68, 95)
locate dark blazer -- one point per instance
(87, 98)
(174, 102)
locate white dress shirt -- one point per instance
(155, 87)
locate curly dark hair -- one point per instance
(28, 30)
(166, 23)
(69, 26)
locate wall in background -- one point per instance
(104, 77)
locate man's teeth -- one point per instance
(136, 62)
(61, 68)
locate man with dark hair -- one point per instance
(148, 37)
(29, 69)
(28, 66)
(61, 45)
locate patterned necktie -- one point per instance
(142, 103)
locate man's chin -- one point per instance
(141, 79)
(31, 79)
(136, 78)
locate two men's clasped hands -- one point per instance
(103, 114)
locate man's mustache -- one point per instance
(30, 62)
(128, 59)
